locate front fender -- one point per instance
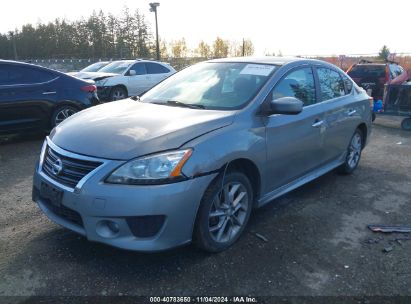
(214, 150)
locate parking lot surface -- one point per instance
(312, 241)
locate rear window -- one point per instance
(361, 71)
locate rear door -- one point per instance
(140, 82)
(342, 112)
(294, 142)
(26, 93)
(157, 72)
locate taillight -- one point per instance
(371, 100)
(89, 88)
(387, 74)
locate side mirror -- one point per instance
(132, 73)
(284, 105)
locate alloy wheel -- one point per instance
(228, 212)
(63, 114)
(118, 94)
(354, 151)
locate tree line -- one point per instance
(104, 35)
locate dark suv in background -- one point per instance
(36, 98)
(373, 76)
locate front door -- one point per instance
(294, 142)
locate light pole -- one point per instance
(153, 8)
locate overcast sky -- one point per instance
(296, 27)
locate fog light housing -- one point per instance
(107, 229)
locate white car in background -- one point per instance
(88, 71)
(124, 78)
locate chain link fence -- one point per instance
(73, 65)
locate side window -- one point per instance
(331, 84)
(37, 76)
(395, 70)
(11, 74)
(298, 84)
(4, 76)
(400, 70)
(154, 68)
(140, 68)
(348, 84)
(18, 75)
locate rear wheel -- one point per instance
(118, 93)
(406, 124)
(353, 153)
(61, 113)
(224, 212)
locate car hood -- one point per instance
(89, 75)
(100, 75)
(127, 129)
(92, 75)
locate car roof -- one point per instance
(262, 60)
(29, 65)
(371, 64)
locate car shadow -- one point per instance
(297, 228)
(21, 137)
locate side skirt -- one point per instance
(299, 182)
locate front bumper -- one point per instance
(148, 218)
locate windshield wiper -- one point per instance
(186, 105)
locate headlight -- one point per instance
(154, 169)
(101, 82)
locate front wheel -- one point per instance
(353, 153)
(224, 212)
(406, 124)
(118, 93)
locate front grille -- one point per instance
(64, 212)
(72, 169)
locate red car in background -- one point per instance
(373, 76)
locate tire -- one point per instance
(406, 124)
(353, 153)
(118, 93)
(220, 220)
(61, 113)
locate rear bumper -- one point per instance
(94, 100)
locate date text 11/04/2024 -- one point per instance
(237, 299)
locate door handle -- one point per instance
(351, 112)
(318, 123)
(49, 92)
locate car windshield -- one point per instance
(94, 67)
(362, 71)
(116, 67)
(212, 85)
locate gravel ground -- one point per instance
(315, 239)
